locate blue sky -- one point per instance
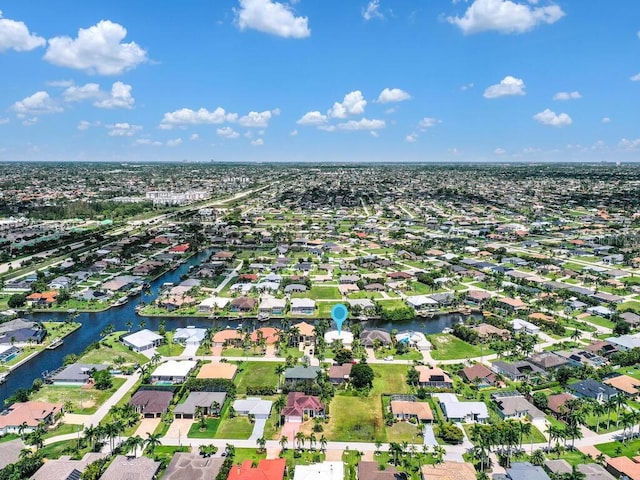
(320, 80)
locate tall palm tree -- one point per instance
(300, 439)
(156, 358)
(524, 430)
(610, 405)
(135, 442)
(280, 369)
(283, 442)
(598, 409)
(620, 402)
(152, 441)
(262, 443)
(312, 440)
(323, 443)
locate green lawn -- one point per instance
(412, 354)
(63, 429)
(403, 432)
(239, 352)
(238, 428)
(209, 432)
(448, 347)
(361, 418)
(301, 458)
(634, 306)
(322, 293)
(65, 447)
(619, 449)
(392, 304)
(170, 349)
(83, 400)
(111, 348)
(256, 374)
(164, 453)
(242, 454)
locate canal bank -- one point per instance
(93, 323)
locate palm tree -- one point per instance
(91, 434)
(312, 440)
(378, 445)
(537, 458)
(152, 441)
(262, 443)
(628, 421)
(395, 449)
(283, 442)
(135, 442)
(620, 402)
(598, 409)
(524, 430)
(129, 325)
(280, 369)
(438, 455)
(575, 335)
(610, 405)
(279, 405)
(575, 474)
(22, 428)
(156, 358)
(300, 439)
(323, 443)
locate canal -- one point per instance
(94, 323)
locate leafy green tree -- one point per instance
(361, 376)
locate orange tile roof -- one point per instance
(449, 471)
(625, 383)
(224, 335)
(266, 470)
(270, 335)
(218, 370)
(31, 413)
(626, 466)
(306, 329)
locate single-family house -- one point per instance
(192, 466)
(173, 372)
(371, 337)
(301, 374)
(208, 403)
(151, 403)
(242, 304)
(556, 402)
(449, 470)
(526, 471)
(433, 377)
(593, 389)
(370, 470)
(259, 408)
(272, 306)
(518, 370)
(20, 330)
(190, 335)
(339, 374)
(625, 384)
(300, 405)
(317, 471)
(142, 340)
(457, 411)
(64, 468)
(76, 374)
(411, 410)
(140, 468)
(512, 405)
(265, 470)
(306, 334)
(302, 306)
(479, 375)
(28, 415)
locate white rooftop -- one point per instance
(253, 405)
(346, 337)
(211, 302)
(174, 368)
(324, 471)
(190, 334)
(420, 300)
(142, 338)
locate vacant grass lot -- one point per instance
(111, 348)
(403, 432)
(361, 418)
(634, 306)
(83, 400)
(322, 293)
(238, 428)
(256, 374)
(448, 347)
(629, 449)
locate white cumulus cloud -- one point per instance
(499, 151)
(227, 132)
(606, 120)
(636, 78)
(352, 104)
(294, 133)
(36, 104)
(312, 118)
(390, 95)
(505, 16)
(76, 93)
(508, 86)
(412, 137)
(548, 117)
(362, 124)
(120, 97)
(567, 96)
(147, 141)
(372, 10)
(627, 144)
(258, 142)
(97, 49)
(257, 119)
(186, 116)
(175, 142)
(123, 129)
(86, 125)
(15, 35)
(271, 17)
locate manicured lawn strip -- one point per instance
(633, 306)
(239, 352)
(389, 379)
(410, 355)
(576, 457)
(301, 458)
(256, 374)
(391, 304)
(242, 454)
(65, 447)
(601, 322)
(210, 431)
(83, 400)
(403, 432)
(164, 453)
(238, 428)
(63, 429)
(8, 437)
(448, 347)
(629, 449)
(170, 349)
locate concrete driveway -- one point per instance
(147, 425)
(258, 429)
(429, 436)
(190, 350)
(179, 428)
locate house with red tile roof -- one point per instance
(182, 248)
(300, 404)
(29, 413)
(265, 470)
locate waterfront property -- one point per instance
(76, 374)
(142, 340)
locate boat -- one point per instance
(263, 317)
(446, 330)
(120, 301)
(55, 344)
(135, 291)
(72, 310)
(3, 377)
(239, 327)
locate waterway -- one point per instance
(94, 323)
